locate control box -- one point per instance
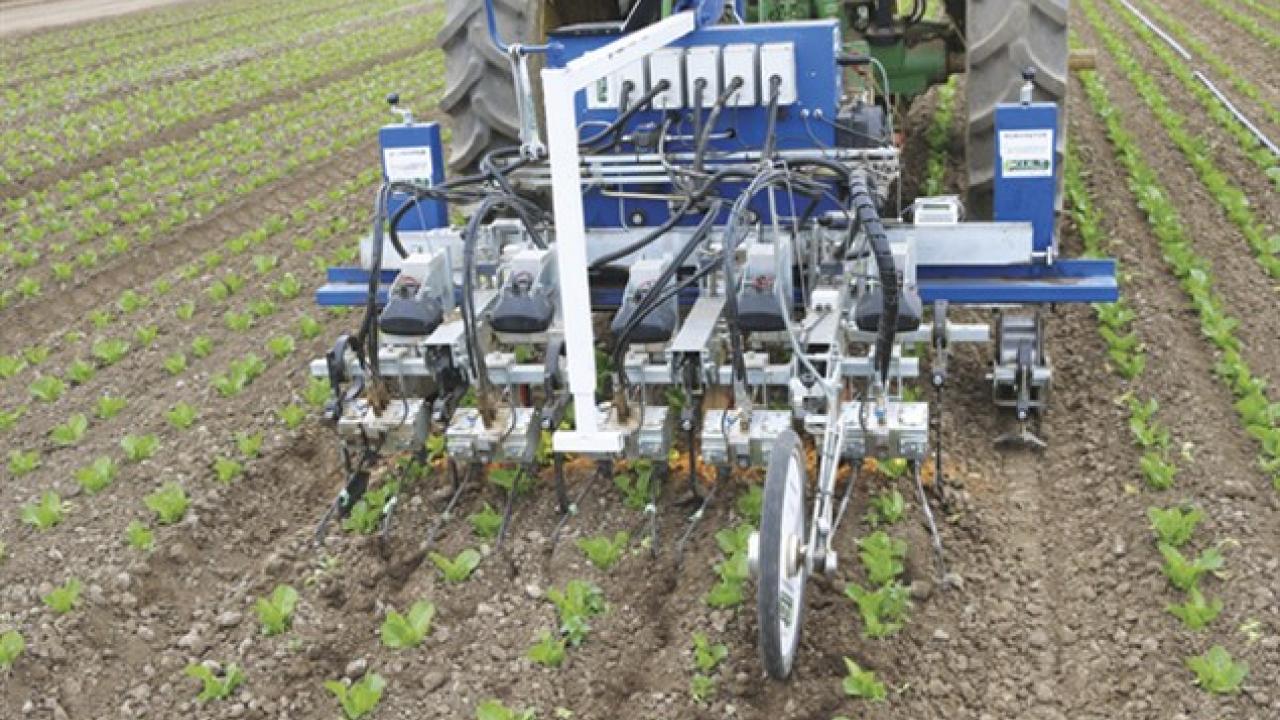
(413, 152)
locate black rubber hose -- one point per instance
(864, 207)
(618, 125)
(700, 148)
(771, 130)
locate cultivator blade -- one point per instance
(1023, 437)
(935, 538)
(459, 483)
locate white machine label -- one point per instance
(408, 164)
(1026, 153)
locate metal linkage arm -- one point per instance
(560, 88)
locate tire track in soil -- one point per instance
(47, 177)
(1249, 294)
(182, 245)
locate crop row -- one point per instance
(191, 178)
(1249, 144)
(1125, 353)
(110, 34)
(1271, 12)
(267, 33)
(1233, 201)
(1245, 22)
(1257, 414)
(938, 137)
(1173, 527)
(83, 134)
(1238, 80)
(107, 350)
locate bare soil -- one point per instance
(33, 15)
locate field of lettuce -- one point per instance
(173, 183)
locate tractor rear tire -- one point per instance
(1005, 37)
(480, 95)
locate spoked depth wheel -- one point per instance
(779, 557)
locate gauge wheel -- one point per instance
(782, 570)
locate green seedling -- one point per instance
(47, 389)
(887, 508)
(366, 514)
(280, 346)
(36, 354)
(288, 287)
(96, 476)
(495, 710)
(1195, 612)
(635, 485)
(109, 407)
(249, 444)
(548, 651)
(227, 470)
(201, 346)
(237, 321)
(360, 698)
(110, 352)
(751, 504)
(512, 479)
(309, 328)
(262, 308)
(45, 513)
(1158, 472)
(604, 552)
(169, 503)
(861, 683)
(1217, 673)
(186, 310)
(146, 335)
(22, 462)
(139, 536)
(139, 447)
(276, 611)
(882, 557)
(702, 688)
(11, 365)
(11, 647)
(486, 523)
(130, 302)
(883, 610)
(400, 632)
(577, 603)
(317, 392)
(182, 416)
(212, 686)
(80, 372)
(1185, 574)
(1174, 526)
(458, 569)
(64, 599)
(706, 656)
(292, 416)
(10, 418)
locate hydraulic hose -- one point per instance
(700, 148)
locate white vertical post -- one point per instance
(559, 89)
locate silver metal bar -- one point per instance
(1177, 47)
(1230, 106)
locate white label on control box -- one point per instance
(407, 164)
(740, 62)
(606, 93)
(778, 60)
(667, 65)
(702, 63)
(1026, 153)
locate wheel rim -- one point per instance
(791, 577)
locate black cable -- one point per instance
(700, 147)
(771, 129)
(869, 219)
(616, 127)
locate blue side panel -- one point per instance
(1066, 281)
(1025, 183)
(414, 152)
